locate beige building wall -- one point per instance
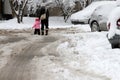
(7, 8)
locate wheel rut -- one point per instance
(19, 68)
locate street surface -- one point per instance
(23, 47)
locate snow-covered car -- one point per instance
(114, 28)
(83, 16)
(98, 20)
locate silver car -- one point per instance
(98, 20)
(83, 16)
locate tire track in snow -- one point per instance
(18, 68)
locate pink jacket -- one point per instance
(37, 24)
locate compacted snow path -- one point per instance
(18, 67)
(35, 58)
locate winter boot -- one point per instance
(46, 32)
(42, 33)
(39, 32)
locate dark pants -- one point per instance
(37, 31)
(44, 24)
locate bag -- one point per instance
(43, 16)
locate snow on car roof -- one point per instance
(89, 9)
(105, 9)
(114, 15)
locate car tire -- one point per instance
(94, 27)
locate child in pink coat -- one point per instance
(36, 26)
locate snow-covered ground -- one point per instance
(91, 53)
(83, 55)
(55, 22)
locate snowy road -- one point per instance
(29, 57)
(18, 67)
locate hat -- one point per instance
(37, 19)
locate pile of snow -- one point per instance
(91, 53)
(82, 56)
(12, 24)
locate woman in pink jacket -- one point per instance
(36, 26)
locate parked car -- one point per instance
(114, 28)
(83, 16)
(99, 17)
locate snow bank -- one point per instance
(54, 22)
(92, 54)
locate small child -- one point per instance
(36, 26)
